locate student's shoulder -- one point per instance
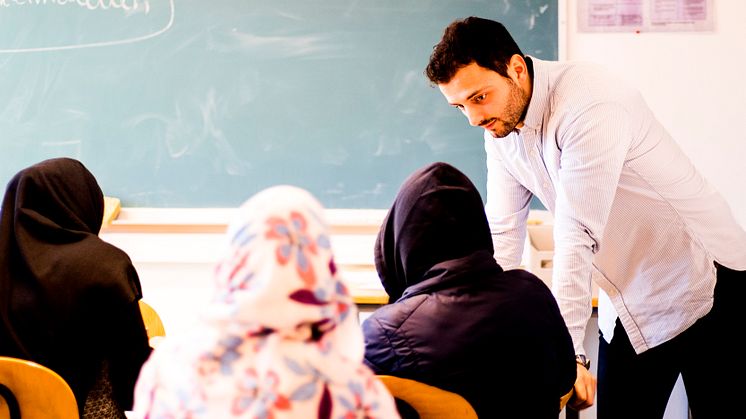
(113, 262)
(529, 295)
(522, 275)
(392, 316)
(527, 283)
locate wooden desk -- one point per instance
(369, 296)
(372, 297)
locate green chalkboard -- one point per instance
(197, 103)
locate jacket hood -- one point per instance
(437, 216)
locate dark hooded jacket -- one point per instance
(68, 300)
(458, 321)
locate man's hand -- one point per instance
(585, 389)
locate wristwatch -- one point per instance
(582, 360)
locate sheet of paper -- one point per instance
(645, 15)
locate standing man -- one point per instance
(626, 201)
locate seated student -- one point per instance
(457, 321)
(281, 337)
(68, 300)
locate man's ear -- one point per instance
(517, 67)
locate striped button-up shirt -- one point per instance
(625, 199)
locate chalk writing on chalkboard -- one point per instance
(114, 12)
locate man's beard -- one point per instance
(514, 112)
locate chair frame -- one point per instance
(433, 403)
(153, 323)
(430, 402)
(34, 391)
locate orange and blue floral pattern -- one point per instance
(294, 244)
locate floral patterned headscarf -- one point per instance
(281, 338)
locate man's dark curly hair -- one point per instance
(469, 40)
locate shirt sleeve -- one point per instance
(594, 146)
(507, 209)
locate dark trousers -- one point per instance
(707, 355)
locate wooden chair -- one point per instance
(153, 323)
(429, 402)
(33, 391)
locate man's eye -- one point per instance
(479, 98)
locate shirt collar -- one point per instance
(539, 95)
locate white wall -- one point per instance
(692, 81)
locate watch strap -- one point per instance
(584, 361)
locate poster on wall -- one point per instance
(645, 15)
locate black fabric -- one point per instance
(706, 355)
(458, 321)
(68, 300)
(405, 410)
(437, 216)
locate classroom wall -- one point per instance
(691, 80)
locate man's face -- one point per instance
(487, 99)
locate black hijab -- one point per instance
(59, 281)
(437, 216)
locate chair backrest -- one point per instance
(429, 402)
(35, 390)
(153, 323)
